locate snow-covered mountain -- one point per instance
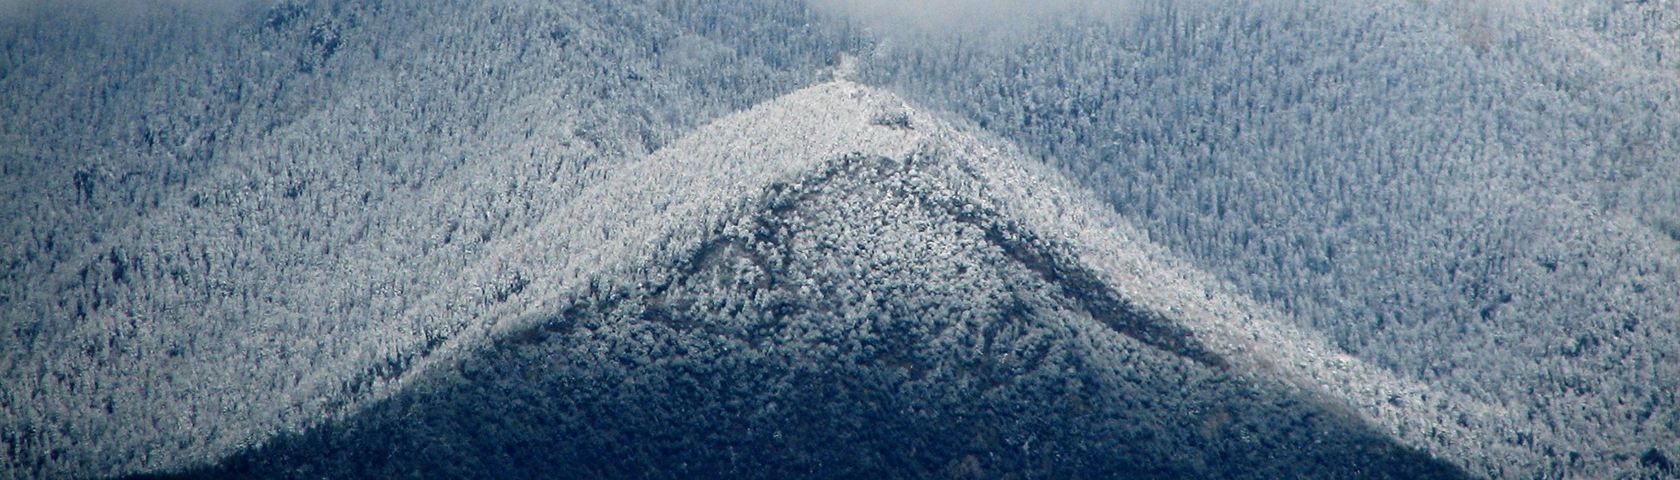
(1475, 195)
(215, 218)
(659, 238)
(835, 284)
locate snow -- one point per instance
(673, 199)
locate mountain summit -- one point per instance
(642, 238)
(836, 284)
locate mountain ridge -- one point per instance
(1436, 228)
(896, 155)
(215, 221)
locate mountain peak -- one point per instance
(740, 302)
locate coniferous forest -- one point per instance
(829, 238)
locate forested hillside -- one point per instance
(220, 222)
(864, 291)
(1477, 196)
(223, 221)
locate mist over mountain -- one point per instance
(972, 20)
(955, 238)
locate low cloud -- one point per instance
(978, 18)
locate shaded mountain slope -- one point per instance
(870, 293)
(214, 218)
(227, 224)
(1474, 195)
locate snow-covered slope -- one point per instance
(217, 220)
(834, 283)
(1474, 195)
(222, 224)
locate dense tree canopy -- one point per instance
(223, 222)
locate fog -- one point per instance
(996, 19)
